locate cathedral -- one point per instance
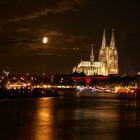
(107, 60)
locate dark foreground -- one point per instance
(70, 118)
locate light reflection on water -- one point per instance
(43, 122)
(69, 118)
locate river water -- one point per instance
(70, 118)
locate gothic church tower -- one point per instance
(108, 55)
(107, 62)
(113, 56)
(103, 54)
(102, 51)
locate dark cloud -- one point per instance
(75, 38)
(23, 30)
(60, 6)
(54, 33)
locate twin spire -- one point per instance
(112, 42)
(103, 45)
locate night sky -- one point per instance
(68, 24)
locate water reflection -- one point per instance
(130, 113)
(77, 118)
(129, 118)
(43, 122)
(71, 118)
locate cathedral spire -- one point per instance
(102, 51)
(103, 40)
(92, 55)
(112, 42)
(92, 50)
(113, 67)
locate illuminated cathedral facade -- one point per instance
(107, 60)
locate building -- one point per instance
(107, 60)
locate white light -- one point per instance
(45, 40)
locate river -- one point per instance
(69, 118)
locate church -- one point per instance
(107, 60)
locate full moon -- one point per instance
(45, 40)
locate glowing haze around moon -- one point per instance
(45, 40)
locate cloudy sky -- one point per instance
(71, 27)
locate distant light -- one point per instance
(75, 48)
(45, 40)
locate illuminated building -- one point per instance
(107, 60)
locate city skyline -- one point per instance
(71, 27)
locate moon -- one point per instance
(45, 40)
